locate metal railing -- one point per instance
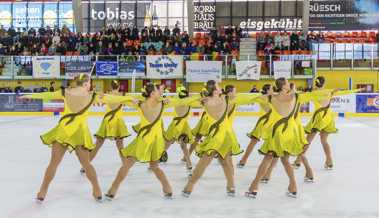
(347, 55)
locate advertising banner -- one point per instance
(10, 103)
(46, 66)
(343, 15)
(367, 103)
(202, 71)
(343, 104)
(126, 68)
(164, 66)
(72, 68)
(248, 70)
(106, 68)
(282, 69)
(204, 16)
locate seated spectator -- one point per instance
(254, 89)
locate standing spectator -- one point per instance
(52, 89)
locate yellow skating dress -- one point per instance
(113, 125)
(323, 118)
(285, 135)
(149, 144)
(202, 126)
(256, 133)
(72, 130)
(221, 137)
(179, 127)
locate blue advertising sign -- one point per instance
(78, 66)
(106, 68)
(367, 103)
(126, 68)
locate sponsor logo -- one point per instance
(110, 14)
(373, 102)
(164, 65)
(288, 24)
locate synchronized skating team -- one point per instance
(213, 137)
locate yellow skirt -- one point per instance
(321, 123)
(202, 127)
(147, 148)
(66, 137)
(114, 129)
(286, 140)
(223, 142)
(182, 131)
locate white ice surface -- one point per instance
(351, 190)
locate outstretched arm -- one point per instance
(313, 96)
(173, 102)
(44, 95)
(242, 99)
(114, 99)
(345, 92)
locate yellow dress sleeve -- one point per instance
(313, 96)
(242, 99)
(173, 102)
(46, 95)
(114, 99)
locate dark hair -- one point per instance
(279, 83)
(228, 89)
(265, 89)
(115, 85)
(148, 89)
(210, 87)
(320, 81)
(81, 79)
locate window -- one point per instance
(5, 15)
(50, 15)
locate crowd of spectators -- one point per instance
(121, 40)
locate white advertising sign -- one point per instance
(282, 69)
(248, 70)
(46, 66)
(164, 66)
(202, 71)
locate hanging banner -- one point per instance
(164, 66)
(106, 68)
(282, 69)
(248, 70)
(46, 66)
(72, 68)
(202, 71)
(204, 16)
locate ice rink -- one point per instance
(351, 190)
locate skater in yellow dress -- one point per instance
(284, 134)
(200, 130)
(112, 127)
(323, 122)
(149, 145)
(221, 141)
(179, 129)
(71, 133)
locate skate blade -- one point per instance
(291, 194)
(186, 194)
(252, 195)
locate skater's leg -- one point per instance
(290, 173)
(161, 177)
(127, 163)
(203, 163)
(84, 159)
(99, 142)
(228, 171)
(57, 153)
(268, 173)
(183, 145)
(327, 148)
(310, 138)
(120, 146)
(262, 169)
(248, 151)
